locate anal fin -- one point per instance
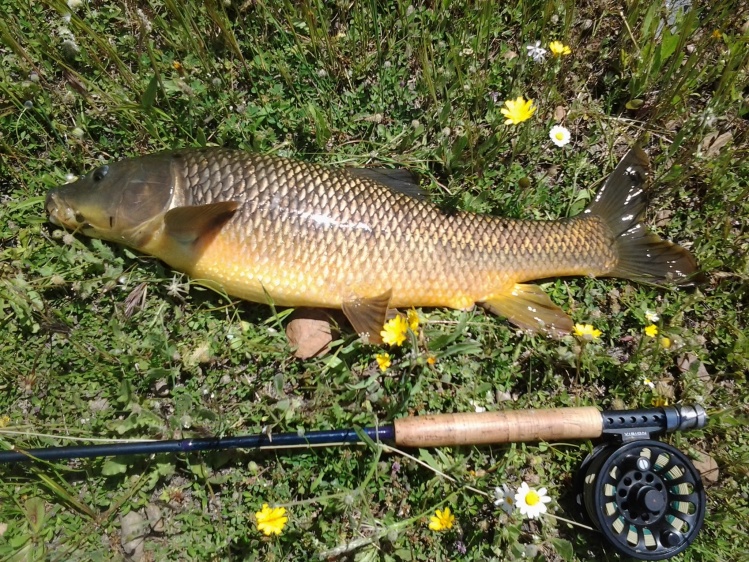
(367, 315)
(530, 309)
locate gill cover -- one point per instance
(120, 202)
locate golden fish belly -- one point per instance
(452, 261)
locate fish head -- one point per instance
(122, 202)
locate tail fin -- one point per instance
(642, 255)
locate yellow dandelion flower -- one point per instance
(559, 49)
(271, 520)
(518, 110)
(431, 360)
(383, 360)
(587, 332)
(413, 321)
(441, 520)
(665, 342)
(394, 331)
(651, 331)
(659, 401)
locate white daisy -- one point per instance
(536, 52)
(505, 498)
(559, 135)
(531, 502)
(651, 316)
(476, 406)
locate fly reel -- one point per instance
(645, 496)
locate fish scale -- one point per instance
(299, 234)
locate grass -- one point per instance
(98, 342)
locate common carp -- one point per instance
(270, 229)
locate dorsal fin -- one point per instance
(398, 179)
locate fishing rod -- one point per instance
(645, 496)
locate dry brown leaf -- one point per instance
(714, 142)
(689, 362)
(707, 467)
(309, 332)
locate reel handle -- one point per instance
(512, 426)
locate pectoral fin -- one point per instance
(188, 225)
(367, 315)
(529, 308)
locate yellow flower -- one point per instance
(383, 360)
(271, 521)
(558, 49)
(651, 331)
(394, 332)
(518, 110)
(413, 321)
(665, 342)
(659, 401)
(442, 520)
(587, 332)
(4, 420)
(717, 34)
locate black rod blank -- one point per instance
(259, 441)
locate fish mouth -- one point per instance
(59, 213)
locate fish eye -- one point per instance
(100, 173)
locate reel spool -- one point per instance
(645, 496)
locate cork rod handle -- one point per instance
(515, 426)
